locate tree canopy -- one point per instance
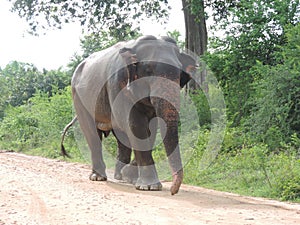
(94, 16)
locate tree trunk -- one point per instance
(195, 35)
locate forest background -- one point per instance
(256, 61)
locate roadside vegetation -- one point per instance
(257, 65)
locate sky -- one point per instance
(56, 48)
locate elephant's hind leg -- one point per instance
(89, 129)
(123, 153)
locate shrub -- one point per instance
(37, 124)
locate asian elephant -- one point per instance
(131, 89)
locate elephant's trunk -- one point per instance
(167, 108)
(172, 148)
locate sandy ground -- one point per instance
(35, 190)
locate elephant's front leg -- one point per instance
(142, 140)
(147, 174)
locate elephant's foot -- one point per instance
(149, 187)
(148, 179)
(129, 173)
(118, 176)
(94, 176)
(119, 166)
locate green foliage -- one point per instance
(254, 15)
(201, 104)
(275, 112)
(37, 124)
(255, 30)
(4, 90)
(175, 34)
(285, 172)
(251, 171)
(94, 15)
(260, 153)
(17, 127)
(19, 81)
(234, 140)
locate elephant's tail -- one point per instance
(62, 148)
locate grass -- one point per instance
(251, 171)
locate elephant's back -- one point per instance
(91, 76)
(99, 65)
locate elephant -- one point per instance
(131, 89)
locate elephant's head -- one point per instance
(162, 70)
(149, 56)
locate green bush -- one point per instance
(285, 170)
(18, 129)
(38, 124)
(202, 106)
(275, 113)
(251, 171)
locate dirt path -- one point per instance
(35, 190)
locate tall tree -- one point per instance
(195, 31)
(195, 26)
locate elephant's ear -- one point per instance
(184, 79)
(188, 68)
(130, 59)
(128, 55)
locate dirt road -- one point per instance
(35, 190)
